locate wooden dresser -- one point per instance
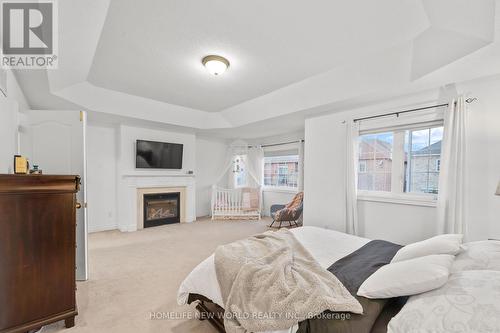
(37, 251)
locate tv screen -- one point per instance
(158, 155)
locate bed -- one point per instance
(328, 248)
(201, 284)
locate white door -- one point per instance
(55, 141)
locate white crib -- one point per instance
(236, 203)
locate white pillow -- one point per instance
(469, 302)
(442, 244)
(408, 277)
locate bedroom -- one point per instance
(344, 123)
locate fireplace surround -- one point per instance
(132, 188)
(142, 192)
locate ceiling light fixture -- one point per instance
(215, 64)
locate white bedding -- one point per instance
(326, 246)
(469, 302)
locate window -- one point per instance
(240, 171)
(281, 171)
(375, 153)
(406, 160)
(423, 159)
(362, 166)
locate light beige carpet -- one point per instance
(134, 274)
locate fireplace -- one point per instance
(161, 208)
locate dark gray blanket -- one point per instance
(352, 271)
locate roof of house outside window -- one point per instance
(367, 148)
(434, 149)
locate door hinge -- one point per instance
(81, 115)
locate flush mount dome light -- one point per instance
(215, 64)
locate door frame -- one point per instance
(25, 147)
(83, 119)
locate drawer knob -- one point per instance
(78, 205)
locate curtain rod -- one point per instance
(468, 100)
(277, 144)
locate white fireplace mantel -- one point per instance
(132, 185)
(135, 175)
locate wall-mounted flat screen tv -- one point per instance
(158, 155)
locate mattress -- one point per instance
(326, 246)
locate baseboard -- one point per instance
(128, 228)
(100, 228)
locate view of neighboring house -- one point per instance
(281, 171)
(424, 169)
(375, 165)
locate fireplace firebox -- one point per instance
(161, 208)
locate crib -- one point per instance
(238, 203)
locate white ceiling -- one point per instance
(142, 59)
(270, 44)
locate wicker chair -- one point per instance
(288, 213)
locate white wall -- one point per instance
(111, 156)
(101, 179)
(324, 195)
(483, 211)
(210, 162)
(15, 93)
(396, 222)
(8, 134)
(325, 181)
(9, 121)
(128, 137)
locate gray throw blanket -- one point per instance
(352, 271)
(271, 282)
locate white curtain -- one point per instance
(301, 166)
(226, 177)
(252, 165)
(452, 177)
(351, 177)
(255, 167)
